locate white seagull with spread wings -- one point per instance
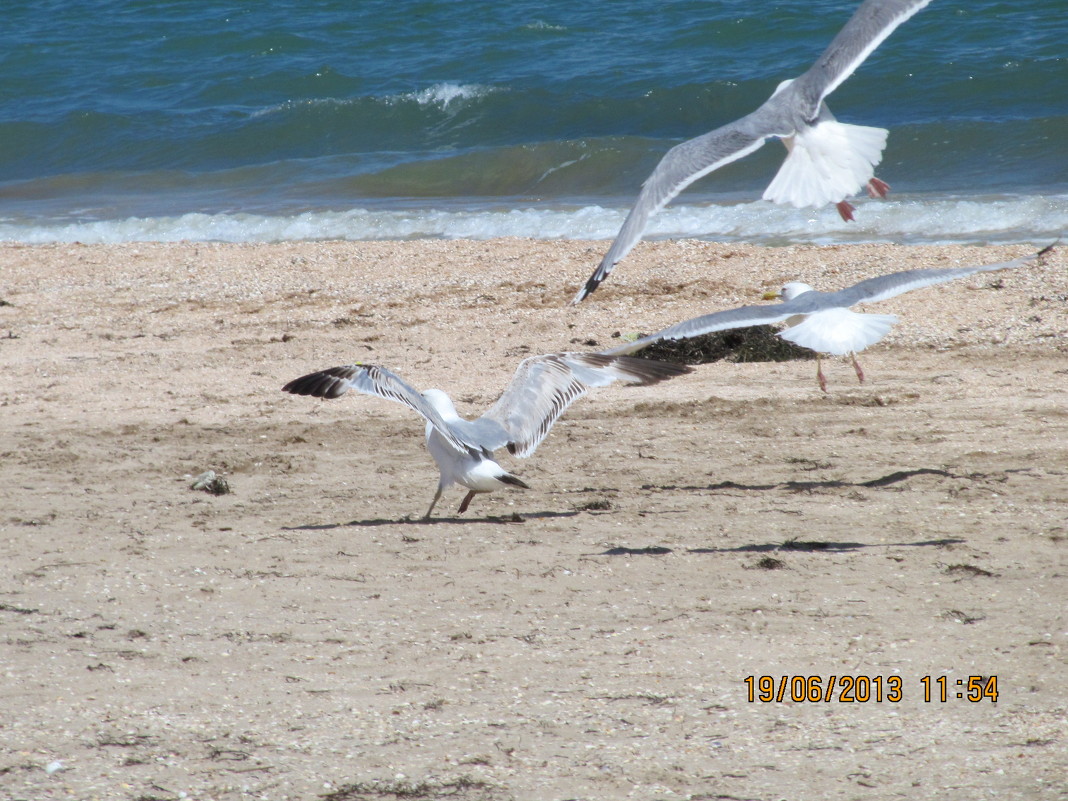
(540, 391)
(826, 160)
(822, 321)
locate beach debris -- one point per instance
(599, 505)
(769, 563)
(211, 482)
(758, 343)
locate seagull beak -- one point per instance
(772, 295)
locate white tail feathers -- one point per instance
(839, 331)
(826, 163)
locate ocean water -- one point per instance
(367, 119)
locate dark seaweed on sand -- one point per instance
(757, 343)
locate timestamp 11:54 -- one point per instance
(864, 689)
(975, 689)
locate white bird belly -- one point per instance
(475, 472)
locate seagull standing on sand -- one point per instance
(822, 321)
(826, 160)
(540, 391)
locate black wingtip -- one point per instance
(1048, 248)
(651, 371)
(643, 371)
(323, 384)
(508, 478)
(594, 281)
(586, 290)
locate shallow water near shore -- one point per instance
(127, 120)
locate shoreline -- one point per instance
(991, 217)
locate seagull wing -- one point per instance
(371, 379)
(544, 386)
(779, 116)
(719, 321)
(887, 286)
(866, 30)
(680, 167)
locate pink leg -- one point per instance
(877, 188)
(819, 373)
(856, 366)
(466, 501)
(845, 209)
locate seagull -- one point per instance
(540, 391)
(826, 160)
(822, 321)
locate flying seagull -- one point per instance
(822, 321)
(826, 160)
(540, 391)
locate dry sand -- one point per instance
(590, 638)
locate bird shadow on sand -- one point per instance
(810, 546)
(423, 521)
(808, 486)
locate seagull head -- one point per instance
(441, 402)
(793, 289)
(789, 291)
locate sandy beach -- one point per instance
(307, 636)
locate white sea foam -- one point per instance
(542, 25)
(1025, 218)
(440, 95)
(443, 95)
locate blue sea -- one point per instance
(394, 119)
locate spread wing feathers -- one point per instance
(371, 379)
(826, 163)
(783, 114)
(828, 320)
(887, 286)
(866, 30)
(680, 167)
(544, 386)
(839, 331)
(741, 317)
